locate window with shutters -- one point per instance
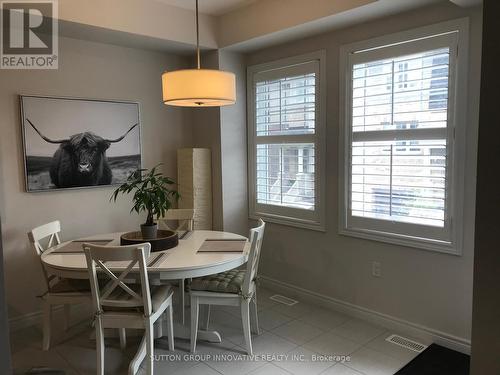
(286, 141)
(400, 120)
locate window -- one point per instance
(401, 167)
(286, 147)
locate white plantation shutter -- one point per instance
(285, 175)
(400, 139)
(398, 148)
(283, 140)
(286, 105)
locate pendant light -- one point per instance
(198, 87)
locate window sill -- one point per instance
(289, 221)
(414, 242)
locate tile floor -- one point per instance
(291, 337)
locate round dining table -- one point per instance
(181, 262)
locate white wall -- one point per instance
(207, 134)
(89, 70)
(422, 287)
(233, 149)
(223, 130)
(5, 366)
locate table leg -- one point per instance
(184, 332)
(138, 358)
(180, 332)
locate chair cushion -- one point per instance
(159, 293)
(70, 286)
(224, 282)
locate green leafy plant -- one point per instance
(152, 193)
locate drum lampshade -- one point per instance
(198, 88)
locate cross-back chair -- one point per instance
(183, 216)
(231, 288)
(59, 291)
(120, 305)
(185, 222)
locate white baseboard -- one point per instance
(27, 320)
(390, 322)
(78, 313)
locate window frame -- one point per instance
(407, 42)
(308, 219)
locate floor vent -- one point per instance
(284, 300)
(406, 343)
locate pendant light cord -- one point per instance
(197, 37)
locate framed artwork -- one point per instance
(79, 143)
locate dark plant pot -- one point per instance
(165, 239)
(149, 232)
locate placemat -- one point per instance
(76, 246)
(155, 259)
(185, 235)
(222, 246)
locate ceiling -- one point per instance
(211, 7)
(238, 25)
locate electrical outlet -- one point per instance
(376, 269)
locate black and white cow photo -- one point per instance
(76, 143)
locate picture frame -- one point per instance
(79, 143)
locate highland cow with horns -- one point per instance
(81, 159)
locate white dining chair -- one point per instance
(60, 291)
(185, 222)
(183, 216)
(231, 288)
(120, 305)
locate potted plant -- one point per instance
(152, 194)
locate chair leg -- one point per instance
(245, 318)
(158, 326)
(67, 316)
(123, 338)
(195, 308)
(253, 302)
(188, 282)
(170, 328)
(99, 340)
(134, 365)
(47, 317)
(183, 302)
(149, 347)
(207, 317)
